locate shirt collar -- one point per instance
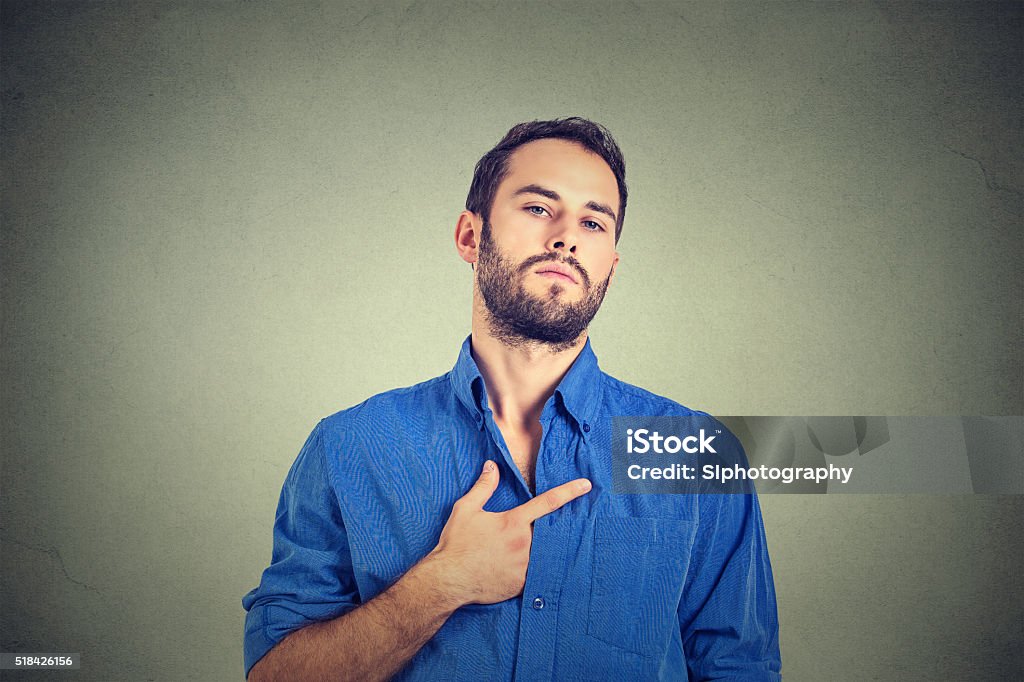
(467, 382)
(580, 388)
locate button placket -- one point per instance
(540, 611)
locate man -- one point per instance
(466, 528)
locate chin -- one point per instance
(564, 290)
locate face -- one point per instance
(547, 254)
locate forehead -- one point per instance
(566, 167)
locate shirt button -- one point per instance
(538, 603)
(586, 427)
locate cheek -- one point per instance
(600, 268)
(519, 242)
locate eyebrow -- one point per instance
(554, 196)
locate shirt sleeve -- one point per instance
(310, 577)
(728, 615)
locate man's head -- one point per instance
(542, 220)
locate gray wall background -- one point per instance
(222, 221)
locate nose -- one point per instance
(562, 238)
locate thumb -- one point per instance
(484, 486)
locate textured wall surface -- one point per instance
(222, 221)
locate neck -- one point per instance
(519, 377)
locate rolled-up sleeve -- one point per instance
(310, 576)
(728, 614)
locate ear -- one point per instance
(467, 236)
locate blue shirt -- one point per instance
(637, 587)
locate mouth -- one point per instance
(556, 272)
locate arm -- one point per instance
(728, 615)
(374, 641)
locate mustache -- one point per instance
(552, 256)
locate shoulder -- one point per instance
(626, 398)
(405, 403)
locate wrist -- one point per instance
(439, 577)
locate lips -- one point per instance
(557, 271)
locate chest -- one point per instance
(523, 445)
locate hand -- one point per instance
(481, 557)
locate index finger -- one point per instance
(552, 500)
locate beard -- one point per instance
(515, 316)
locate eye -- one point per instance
(540, 210)
(593, 226)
